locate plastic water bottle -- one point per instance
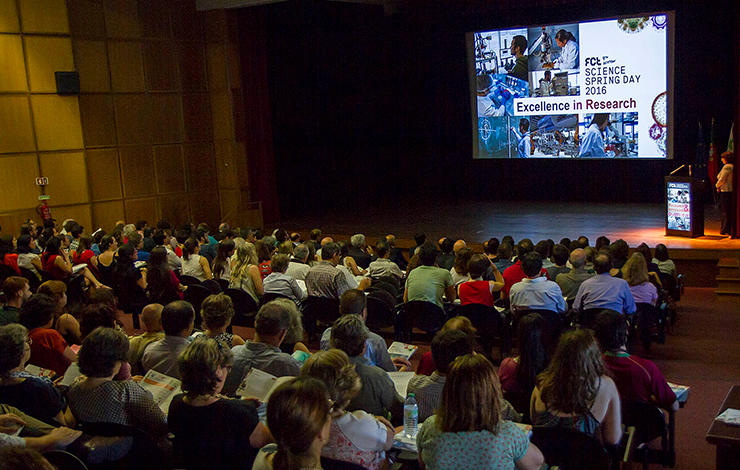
(410, 417)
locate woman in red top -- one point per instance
(57, 264)
(476, 290)
(84, 254)
(7, 257)
(48, 348)
(264, 254)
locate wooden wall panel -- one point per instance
(133, 119)
(223, 124)
(174, 207)
(67, 175)
(196, 110)
(155, 18)
(187, 24)
(126, 66)
(104, 174)
(81, 213)
(205, 207)
(141, 209)
(106, 214)
(91, 60)
(160, 66)
(57, 122)
(44, 56)
(98, 120)
(226, 165)
(166, 126)
(216, 57)
(122, 18)
(169, 168)
(138, 171)
(17, 175)
(13, 220)
(86, 18)
(8, 17)
(192, 67)
(15, 122)
(44, 16)
(13, 77)
(229, 205)
(201, 166)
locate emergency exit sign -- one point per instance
(42, 181)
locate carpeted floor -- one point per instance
(702, 351)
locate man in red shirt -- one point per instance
(638, 380)
(515, 273)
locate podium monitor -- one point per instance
(684, 215)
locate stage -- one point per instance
(476, 222)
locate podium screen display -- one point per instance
(679, 206)
(586, 89)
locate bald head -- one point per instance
(459, 245)
(326, 240)
(577, 258)
(151, 315)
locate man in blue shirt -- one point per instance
(604, 291)
(536, 292)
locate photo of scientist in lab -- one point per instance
(605, 135)
(553, 47)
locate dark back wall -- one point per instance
(369, 108)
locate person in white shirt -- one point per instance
(592, 144)
(568, 50)
(724, 187)
(298, 266)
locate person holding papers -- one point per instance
(592, 145)
(96, 398)
(356, 437)
(270, 328)
(212, 431)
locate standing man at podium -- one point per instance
(724, 187)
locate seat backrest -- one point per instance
(321, 309)
(212, 285)
(570, 449)
(270, 296)
(6, 272)
(244, 306)
(63, 460)
(648, 420)
(485, 319)
(424, 315)
(224, 283)
(189, 280)
(379, 313)
(196, 294)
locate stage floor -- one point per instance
(478, 221)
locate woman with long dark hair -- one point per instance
(129, 283)
(58, 265)
(106, 260)
(575, 392)
(7, 256)
(221, 263)
(25, 246)
(193, 264)
(162, 283)
(518, 374)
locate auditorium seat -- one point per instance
(425, 316)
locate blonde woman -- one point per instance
(245, 273)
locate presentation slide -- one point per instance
(591, 89)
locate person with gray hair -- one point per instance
(378, 395)
(33, 395)
(570, 282)
(298, 266)
(359, 251)
(271, 326)
(278, 282)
